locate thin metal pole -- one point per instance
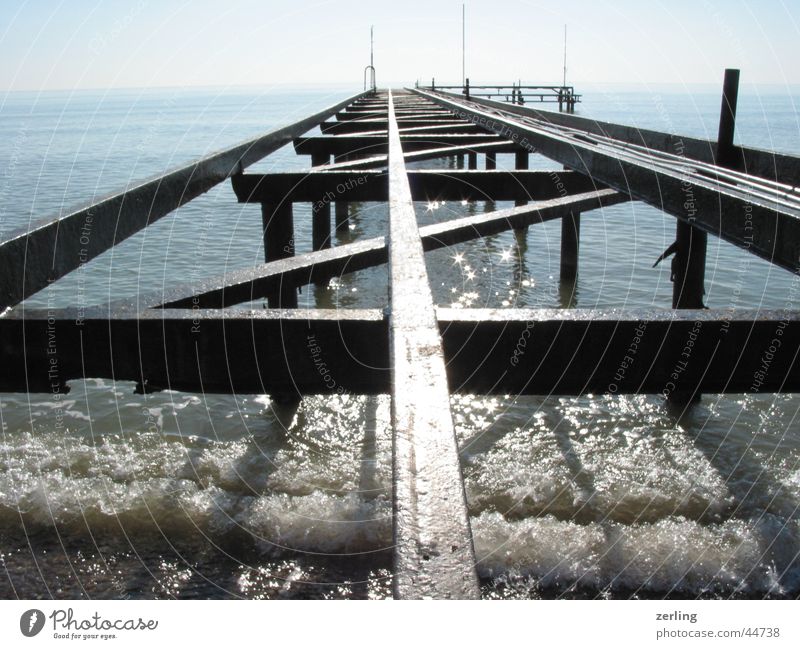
(565, 57)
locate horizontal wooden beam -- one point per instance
(378, 161)
(195, 350)
(324, 187)
(363, 126)
(508, 351)
(429, 112)
(372, 144)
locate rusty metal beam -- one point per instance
(433, 553)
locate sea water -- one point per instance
(110, 494)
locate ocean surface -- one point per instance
(190, 495)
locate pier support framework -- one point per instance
(198, 338)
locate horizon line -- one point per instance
(395, 84)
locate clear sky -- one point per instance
(55, 44)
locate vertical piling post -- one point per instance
(472, 160)
(689, 267)
(726, 156)
(491, 163)
(342, 208)
(321, 212)
(278, 225)
(521, 161)
(689, 264)
(688, 287)
(570, 243)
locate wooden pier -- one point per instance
(198, 338)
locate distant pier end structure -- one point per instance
(563, 95)
(199, 338)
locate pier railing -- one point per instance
(516, 93)
(198, 338)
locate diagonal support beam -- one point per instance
(254, 283)
(433, 554)
(49, 249)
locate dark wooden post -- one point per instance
(521, 160)
(278, 225)
(472, 160)
(689, 264)
(491, 163)
(570, 243)
(321, 212)
(689, 267)
(342, 209)
(726, 156)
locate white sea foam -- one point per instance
(671, 555)
(558, 500)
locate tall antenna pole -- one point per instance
(463, 44)
(371, 27)
(565, 57)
